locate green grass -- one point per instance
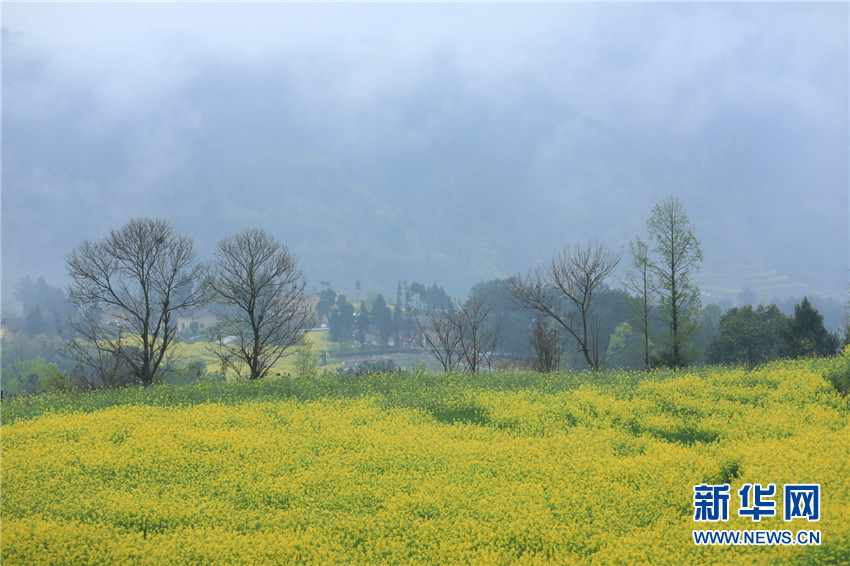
(201, 351)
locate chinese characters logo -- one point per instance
(800, 501)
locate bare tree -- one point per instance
(256, 278)
(142, 274)
(441, 335)
(564, 290)
(461, 335)
(478, 336)
(545, 345)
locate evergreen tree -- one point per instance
(748, 336)
(437, 297)
(34, 323)
(382, 320)
(806, 334)
(325, 304)
(419, 291)
(398, 315)
(363, 322)
(44, 306)
(342, 320)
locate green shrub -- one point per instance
(839, 375)
(34, 376)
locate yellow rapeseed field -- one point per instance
(422, 468)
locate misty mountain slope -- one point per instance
(419, 146)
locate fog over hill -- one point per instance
(447, 143)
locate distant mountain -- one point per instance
(440, 185)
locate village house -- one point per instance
(206, 319)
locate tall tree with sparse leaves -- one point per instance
(639, 280)
(677, 254)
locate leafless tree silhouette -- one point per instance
(141, 275)
(563, 290)
(256, 278)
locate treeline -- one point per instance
(44, 308)
(743, 335)
(31, 362)
(375, 322)
(746, 334)
(753, 336)
(569, 297)
(568, 313)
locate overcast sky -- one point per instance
(568, 120)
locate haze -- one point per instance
(448, 143)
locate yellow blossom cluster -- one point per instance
(425, 469)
